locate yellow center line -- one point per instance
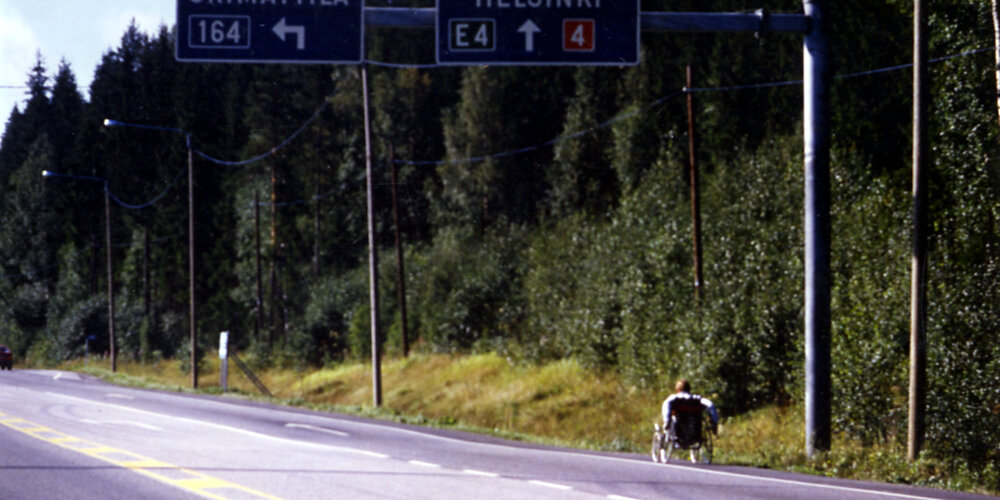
(195, 482)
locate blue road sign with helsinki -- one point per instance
(270, 31)
(538, 32)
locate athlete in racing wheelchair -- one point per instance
(684, 426)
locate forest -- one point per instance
(543, 212)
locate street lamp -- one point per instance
(193, 328)
(107, 246)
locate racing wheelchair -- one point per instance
(690, 429)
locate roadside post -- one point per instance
(224, 359)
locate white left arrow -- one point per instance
(529, 28)
(282, 30)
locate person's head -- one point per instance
(682, 385)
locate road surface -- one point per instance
(66, 435)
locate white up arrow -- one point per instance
(529, 28)
(282, 30)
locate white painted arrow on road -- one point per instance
(282, 30)
(529, 28)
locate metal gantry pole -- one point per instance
(816, 93)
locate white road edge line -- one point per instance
(619, 497)
(480, 473)
(551, 485)
(575, 454)
(424, 464)
(688, 469)
(228, 428)
(317, 429)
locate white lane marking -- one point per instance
(619, 497)
(551, 485)
(140, 425)
(480, 473)
(317, 429)
(788, 481)
(424, 464)
(119, 396)
(694, 470)
(227, 428)
(686, 469)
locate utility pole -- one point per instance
(111, 278)
(191, 297)
(260, 289)
(695, 203)
(372, 249)
(918, 263)
(400, 274)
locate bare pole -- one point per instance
(260, 288)
(816, 119)
(918, 263)
(111, 278)
(695, 203)
(400, 274)
(191, 298)
(372, 253)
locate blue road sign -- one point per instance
(270, 31)
(538, 32)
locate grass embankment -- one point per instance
(558, 403)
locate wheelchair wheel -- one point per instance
(707, 446)
(654, 452)
(668, 449)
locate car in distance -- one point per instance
(6, 358)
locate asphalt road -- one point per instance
(63, 435)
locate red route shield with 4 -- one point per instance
(578, 35)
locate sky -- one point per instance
(79, 31)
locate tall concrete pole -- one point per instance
(372, 249)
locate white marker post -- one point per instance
(224, 357)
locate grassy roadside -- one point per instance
(557, 403)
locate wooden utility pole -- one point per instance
(260, 289)
(918, 295)
(695, 204)
(400, 274)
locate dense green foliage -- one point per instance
(538, 249)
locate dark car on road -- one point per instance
(6, 358)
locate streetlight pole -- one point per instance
(107, 245)
(191, 269)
